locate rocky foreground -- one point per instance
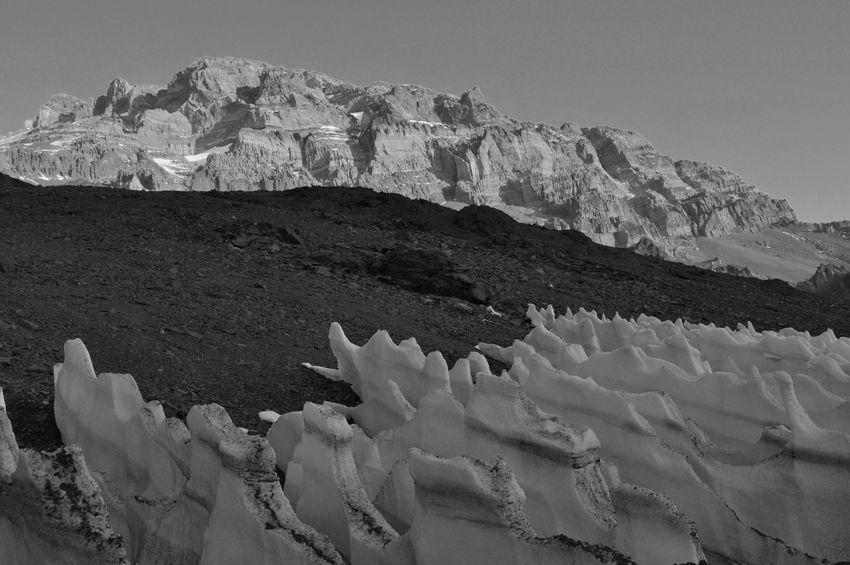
(218, 297)
(236, 125)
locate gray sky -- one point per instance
(756, 86)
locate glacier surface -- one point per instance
(607, 441)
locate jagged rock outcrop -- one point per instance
(62, 109)
(699, 175)
(717, 214)
(232, 124)
(651, 248)
(831, 281)
(718, 266)
(831, 227)
(126, 100)
(628, 157)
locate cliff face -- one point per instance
(232, 124)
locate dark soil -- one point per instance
(208, 297)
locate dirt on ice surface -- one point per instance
(190, 293)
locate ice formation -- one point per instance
(51, 511)
(737, 451)
(200, 492)
(607, 441)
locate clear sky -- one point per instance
(760, 87)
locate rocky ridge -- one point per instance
(230, 124)
(830, 281)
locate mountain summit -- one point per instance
(233, 124)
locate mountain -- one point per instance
(231, 124)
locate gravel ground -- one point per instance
(219, 298)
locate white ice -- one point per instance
(608, 440)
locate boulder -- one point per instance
(429, 271)
(485, 220)
(651, 248)
(830, 281)
(472, 97)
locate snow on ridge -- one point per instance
(14, 137)
(203, 156)
(170, 166)
(197, 157)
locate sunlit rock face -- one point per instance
(830, 281)
(699, 175)
(62, 109)
(233, 124)
(607, 441)
(629, 158)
